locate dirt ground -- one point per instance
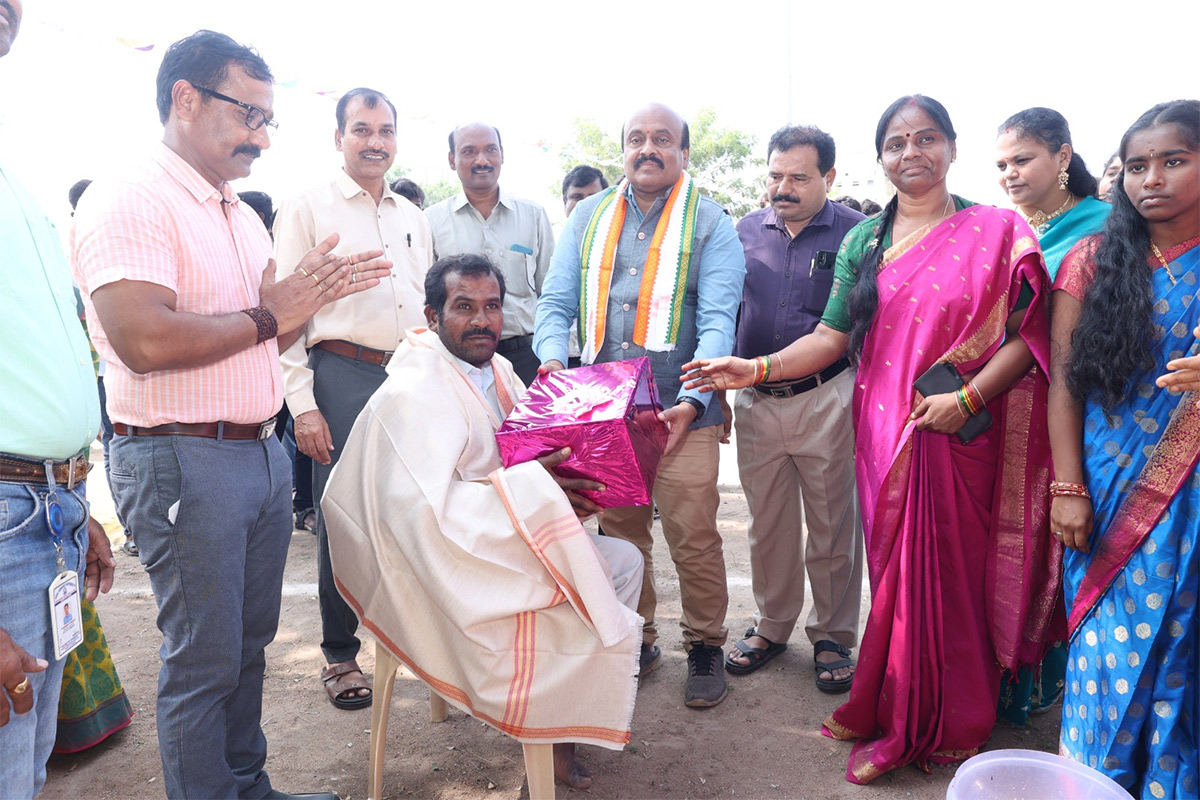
(763, 741)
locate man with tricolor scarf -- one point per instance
(649, 267)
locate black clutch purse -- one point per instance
(943, 378)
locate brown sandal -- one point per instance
(342, 689)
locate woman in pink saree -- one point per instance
(964, 573)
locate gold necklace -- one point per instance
(1158, 254)
(1040, 218)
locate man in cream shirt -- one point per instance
(339, 360)
(513, 233)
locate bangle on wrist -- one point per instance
(1064, 489)
(976, 398)
(268, 326)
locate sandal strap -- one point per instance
(754, 632)
(750, 652)
(832, 666)
(334, 672)
(827, 646)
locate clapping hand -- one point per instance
(321, 277)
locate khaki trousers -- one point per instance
(685, 491)
(793, 450)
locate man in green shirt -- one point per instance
(49, 415)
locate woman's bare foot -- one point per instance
(568, 770)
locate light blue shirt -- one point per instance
(49, 404)
(719, 293)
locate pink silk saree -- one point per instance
(965, 577)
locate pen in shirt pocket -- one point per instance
(409, 237)
(520, 248)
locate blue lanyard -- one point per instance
(55, 518)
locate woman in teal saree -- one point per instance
(1051, 187)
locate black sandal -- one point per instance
(758, 656)
(832, 685)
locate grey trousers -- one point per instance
(212, 521)
(341, 387)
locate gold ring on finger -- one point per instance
(316, 280)
(20, 688)
(304, 272)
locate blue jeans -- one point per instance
(27, 567)
(212, 520)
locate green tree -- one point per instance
(439, 190)
(434, 192)
(722, 159)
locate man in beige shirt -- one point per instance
(338, 362)
(513, 233)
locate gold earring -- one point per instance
(1062, 178)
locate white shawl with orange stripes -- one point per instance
(477, 578)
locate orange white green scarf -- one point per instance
(664, 276)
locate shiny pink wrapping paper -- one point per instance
(607, 414)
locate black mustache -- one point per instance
(364, 152)
(248, 149)
(482, 169)
(479, 332)
(790, 198)
(643, 159)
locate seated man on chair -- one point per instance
(478, 578)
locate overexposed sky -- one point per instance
(77, 97)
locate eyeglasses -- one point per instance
(255, 116)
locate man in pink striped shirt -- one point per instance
(190, 317)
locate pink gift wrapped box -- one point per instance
(607, 414)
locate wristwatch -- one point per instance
(694, 403)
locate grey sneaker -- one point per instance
(706, 676)
(650, 659)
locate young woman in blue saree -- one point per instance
(1127, 495)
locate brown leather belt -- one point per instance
(18, 469)
(800, 387)
(208, 430)
(355, 351)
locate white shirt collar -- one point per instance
(484, 379)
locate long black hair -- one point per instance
(864, 297)
(1112, 343)
(1049, 128)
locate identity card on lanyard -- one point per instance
(65, 614)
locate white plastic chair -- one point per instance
(539, 758)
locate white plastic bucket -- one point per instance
(1030, 775)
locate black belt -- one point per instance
(515, 343)
(800, 387)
